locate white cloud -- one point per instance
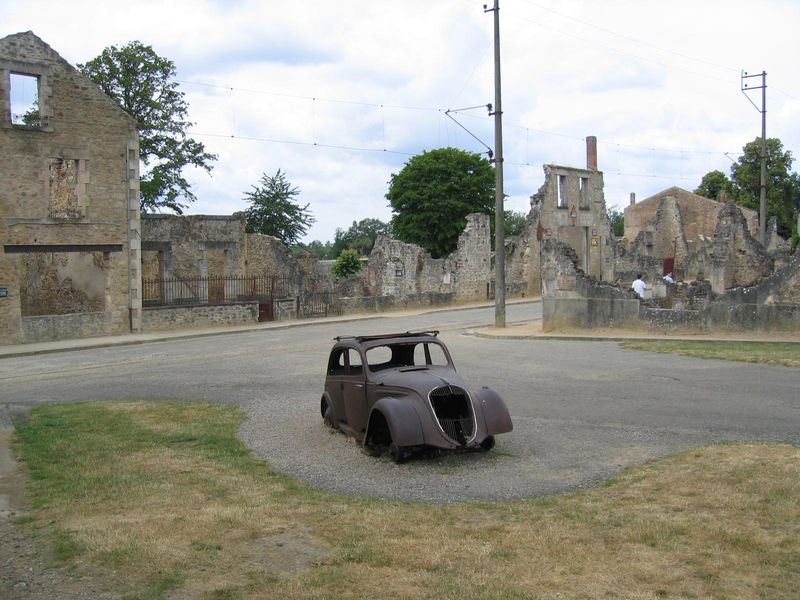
(657, 82)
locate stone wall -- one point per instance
(473, 266)
(699, 216)
(404, 270)
(267, 255)
(214, 245)
(68, 194)
(736, 259)
(569, 207)
(571, 300)
(193, 245)
(55, 327)
(195, 317)
(697, 234)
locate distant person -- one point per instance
(639, 286)
(668, 278)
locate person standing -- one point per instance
(639, 285)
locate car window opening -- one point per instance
(398, 356)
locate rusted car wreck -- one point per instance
(401, 393)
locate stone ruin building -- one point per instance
(676, 231)
(725, 278)
(78, 259)
(218, 274)
(69, 201)
(569, 207)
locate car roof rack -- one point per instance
(365, 338)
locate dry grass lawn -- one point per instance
(772, 353)
(165, 497)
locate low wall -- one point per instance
(583, 313)
(372, 304)
(662, 319)
(756, 317)
(77, 325)
(165, 318)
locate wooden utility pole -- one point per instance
(499, 215)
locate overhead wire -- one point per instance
(383, 106)
(443, 111)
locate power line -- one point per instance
(623, 52)
(298, 143)
(632, 39)
(443, 111)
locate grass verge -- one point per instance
(165, 497)
(773, 353)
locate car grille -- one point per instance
(451, 406)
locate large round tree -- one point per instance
(434, 192)
(143, 84)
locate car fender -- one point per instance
(325, 400)
(402, 420)
(494, 410)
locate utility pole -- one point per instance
(499, 215)
(762, 214)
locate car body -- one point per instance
(401, 393)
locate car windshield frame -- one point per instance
(403, 354)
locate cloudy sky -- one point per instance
(340, 94)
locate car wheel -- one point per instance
(398, 453)
(487, 444)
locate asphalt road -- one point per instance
(581, 410)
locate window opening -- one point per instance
(337, 365)
(24, 96)
(63, 199)
(355, 363)
(562, 191)
(430, 354)
(398, 356)
(584, 196)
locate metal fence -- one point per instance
(317, 304)
(198, 291)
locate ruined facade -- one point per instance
(69, 201)
(404, 270)
(569, 207)
(675, 231)
(192, 246)
(571, 300)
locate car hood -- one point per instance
(419, 380)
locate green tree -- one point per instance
(360, 236)
(142, 83)
(782, 187)
(272, 210)
(713, 184)
(515, 222)
(318, 249)
(434, 192)
(348, 263)
(617, 219)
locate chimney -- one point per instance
(591, 153)
(633, 198)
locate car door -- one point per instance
(354, 392)
(337, 372)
